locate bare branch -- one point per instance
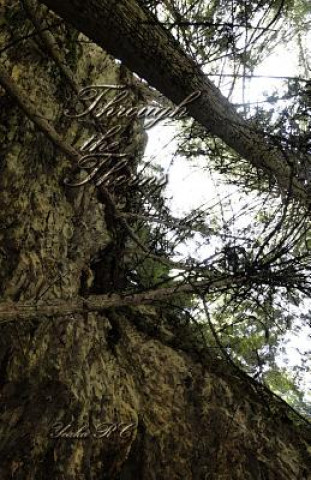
(30, 110)
(97, 303)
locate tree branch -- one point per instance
(122, 29)
(30, 110)
(96, 303)
(50, 45)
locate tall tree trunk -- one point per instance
(131, 33)
(185, 413)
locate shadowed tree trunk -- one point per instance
(185, 413)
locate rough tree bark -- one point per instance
(194, 416)
(131, 33)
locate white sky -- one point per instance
(190, 187)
